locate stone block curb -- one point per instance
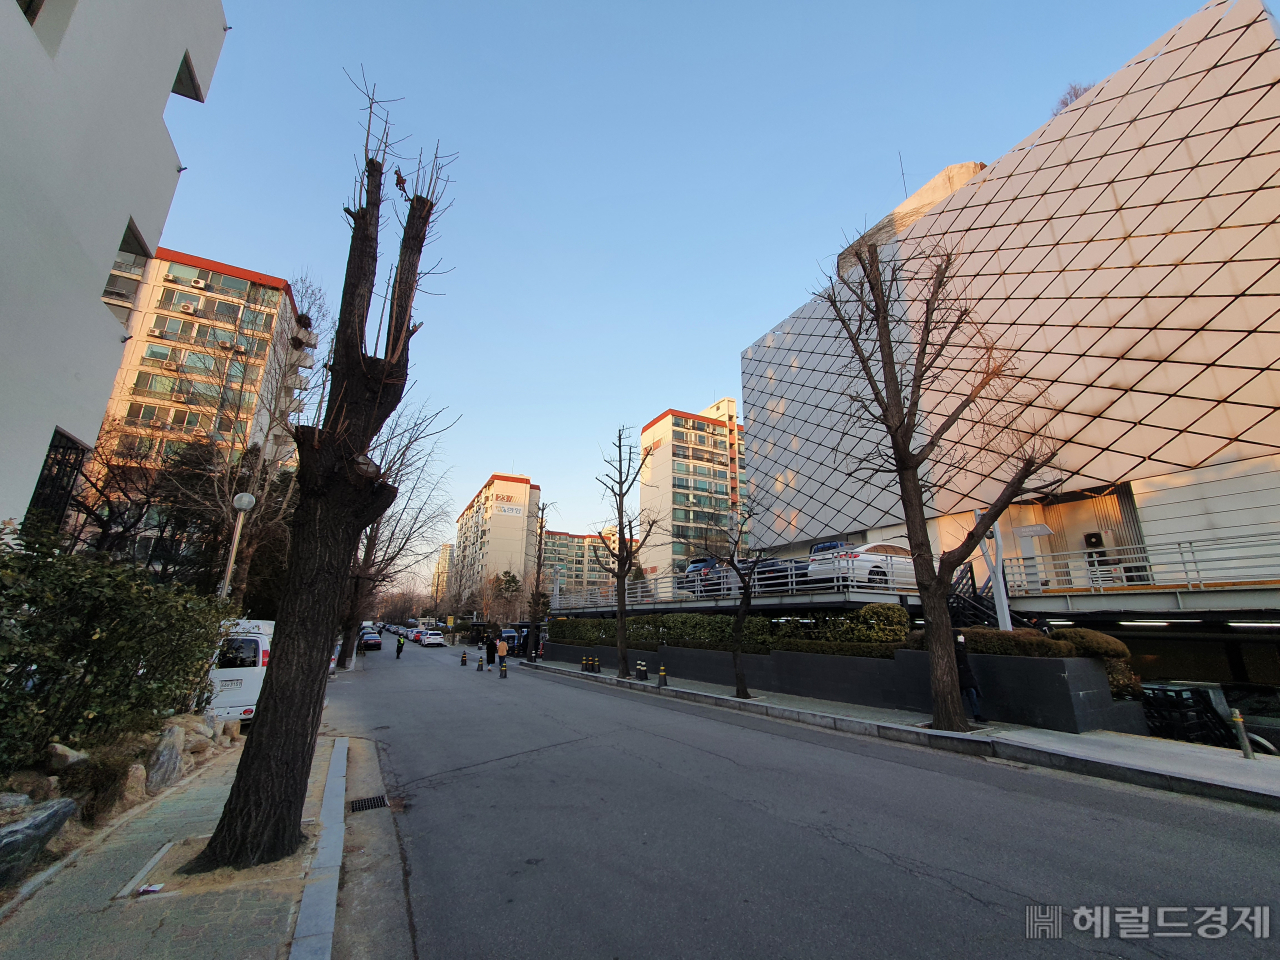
(318, 912)
(968, 744)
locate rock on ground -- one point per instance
(61, 756)
(164, 768)
(22, 841)
(34, 784)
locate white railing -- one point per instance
(723, 584)
(1225, 563)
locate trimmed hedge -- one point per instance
(1092, 643)
(874, 631)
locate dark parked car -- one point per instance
(779, 576)
(371, 641)
(704, 577)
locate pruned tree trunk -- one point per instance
(735, 637)
(340, 492)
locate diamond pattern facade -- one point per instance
(1129, 249)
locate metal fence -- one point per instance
(724, 584)
(1211, 564)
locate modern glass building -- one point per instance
(1128, 251)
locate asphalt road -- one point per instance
(550, 818)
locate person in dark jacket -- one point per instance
(969, 689)
(491, 651)
(399, 646)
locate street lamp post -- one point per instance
(243, 502)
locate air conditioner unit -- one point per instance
(179, 398)
(198, 432)
(169, 365)
(198, 284)
(170, 278)
(1100, 540)
(239, 348)
(225, 344)
(186, 308)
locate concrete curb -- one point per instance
(318, 913)
(965, 743)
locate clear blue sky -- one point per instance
(641, 190)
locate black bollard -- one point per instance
(642, 671)
(502, 670)
(479, 662)
(662, 675)
(464, 658)
(584, 665)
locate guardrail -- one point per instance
(723, 584)
(1223, 563)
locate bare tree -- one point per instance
(938, 402)
(340, 492)
(633, 529)
(117, 492)
(1069, 96)
(538, 600)
(730, 547)
(412, 529)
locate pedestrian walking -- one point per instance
(502, 654)
(490, 651)
(969, 689)
(399, 646)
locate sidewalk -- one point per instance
(231, 914)
(1144, 761)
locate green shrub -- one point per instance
(89, 649)
(1092, 643)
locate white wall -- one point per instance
(83, 148)
(1227, 500)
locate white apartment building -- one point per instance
(497, 532)
(1128, 252)
(571, 561)
(214, 353)
(690, 480)
(89, 169)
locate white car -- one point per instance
(874, 566)
(433, 638)
(237, 673)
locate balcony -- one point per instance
(1193, 569)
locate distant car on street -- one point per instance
(433, 638)
(369, 640)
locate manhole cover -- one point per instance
(368, 803)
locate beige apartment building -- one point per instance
(213, 353)
(690, 480)
(440, 577)
(569, 563)
(497, 532)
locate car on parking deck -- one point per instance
(885, 566)
(704, 577)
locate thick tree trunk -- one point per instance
(325, 531)
(944, 679)
(624, 668)
(739, 627)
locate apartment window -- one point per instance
(680, 549)
(171, 299)
(721, 474)
(679, 498)
(162, 354)
(701, 470)
(134, 447)
(680, 483)
(203, 365)
(679, 435)
(145, 413)
(256, 320)
(226, 312)
(681, 515)
(244, 372)
(679, 451)
(701, 439)
(720, 487)
(173, 326)
(132, 263)
(680, 467)
(252, 345)
(120, 288)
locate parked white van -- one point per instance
(238, 672)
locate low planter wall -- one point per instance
(1069, 694)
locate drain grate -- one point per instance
(368, 803)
